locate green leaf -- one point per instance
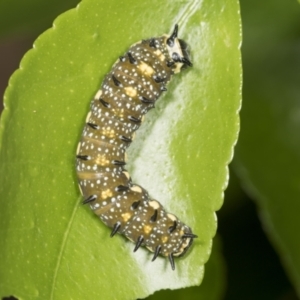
(54, 248)
(212, 287)
(268, 158)
(30, 15)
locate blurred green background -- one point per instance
(259, 222)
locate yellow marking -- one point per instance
(179, 251)
(147, 229)
(101, 160)
(133, 136)
(136, 188)
(154, 204)
(78, 148)
(160, 55)
(109, 132)
(172, 217)
(106, 194)
(130, 91)
(98, 95)
(88, 116)
(145, 69)
(126, 216)
(119, 113)
(126, 174)
(182, 248)
(125, 157)
(88, 175)
(164, 239)
(178, 67)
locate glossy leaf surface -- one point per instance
(180, 154)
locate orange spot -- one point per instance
(105, 194)
(147, 229)
(164, 239)
(130, 91)
(126, 216)
(145, 68)
(102, 160)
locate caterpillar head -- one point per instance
(178, 51)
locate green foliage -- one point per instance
(53, 248)
(212, 287)
(267, 157)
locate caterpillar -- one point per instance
(128, 92)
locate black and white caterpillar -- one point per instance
(127, 93)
